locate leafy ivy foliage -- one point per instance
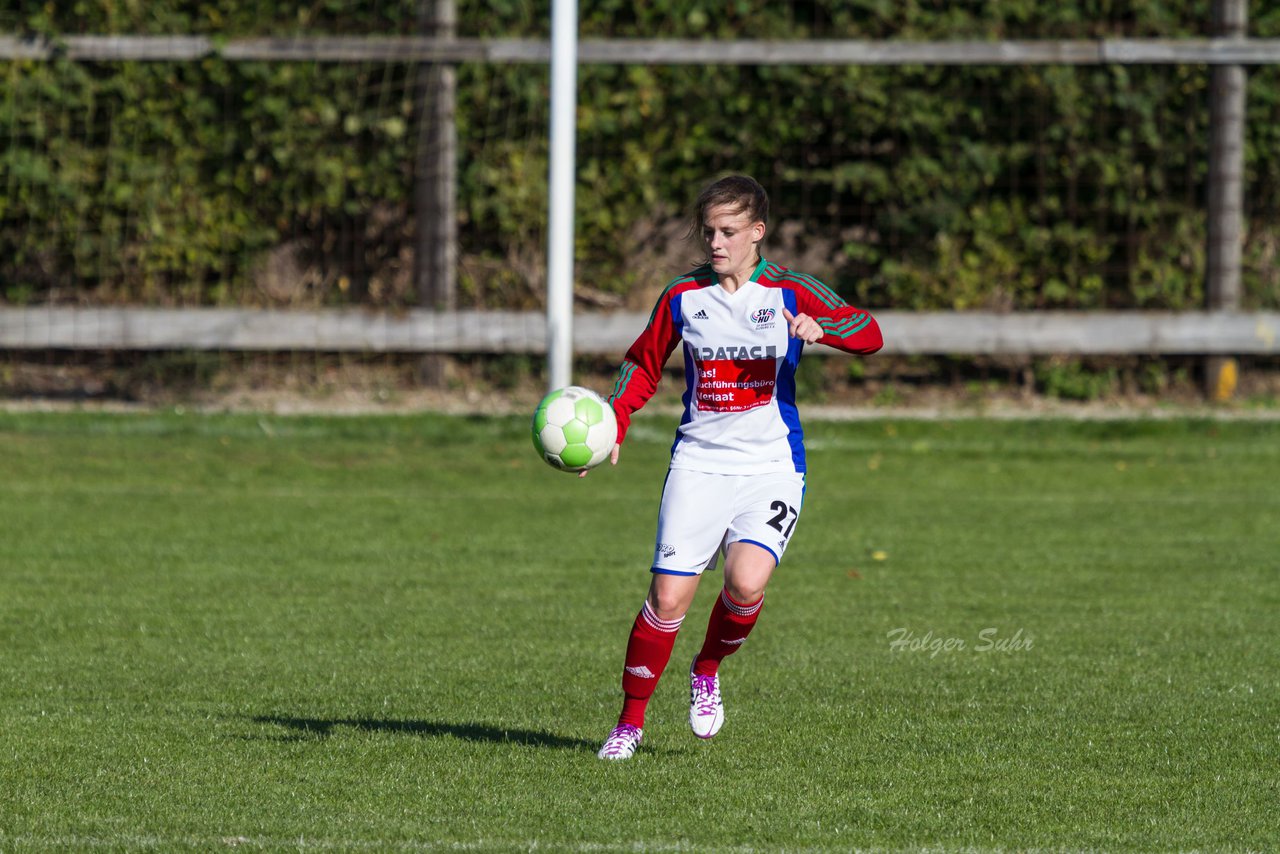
(912, 187)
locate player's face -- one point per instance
(731, 237)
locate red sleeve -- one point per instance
(642, 366)
(844, 327)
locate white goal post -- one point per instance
(563, 162)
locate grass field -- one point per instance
(406, 632)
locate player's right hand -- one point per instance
(803, 326)
(613, 459)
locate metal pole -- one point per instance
(564, 104)
(1226, 190)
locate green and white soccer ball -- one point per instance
(574, 429)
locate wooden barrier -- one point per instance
(1156, 51)
(354, 330)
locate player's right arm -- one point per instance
(642, 366)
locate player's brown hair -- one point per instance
(739, 191)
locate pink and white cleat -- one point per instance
(621, 743)
(706, 709)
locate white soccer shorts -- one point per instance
(702, 513)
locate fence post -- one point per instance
(435, 256)
(1226, 190)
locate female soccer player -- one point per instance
(736, 481)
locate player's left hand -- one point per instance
(803, 326)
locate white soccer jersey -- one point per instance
(740, 412)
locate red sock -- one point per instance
(648, 651)
(728, 627)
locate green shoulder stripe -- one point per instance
(691, 276)
(819, 286)
(813, 286)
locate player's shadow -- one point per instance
(305, 728)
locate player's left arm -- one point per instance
(824, 318)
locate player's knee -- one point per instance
(744, 593)
(668, 604)
(747, 571)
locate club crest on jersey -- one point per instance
(761, 316)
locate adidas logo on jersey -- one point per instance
(641, 671)
(701, 314)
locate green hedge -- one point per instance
(923, 187)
